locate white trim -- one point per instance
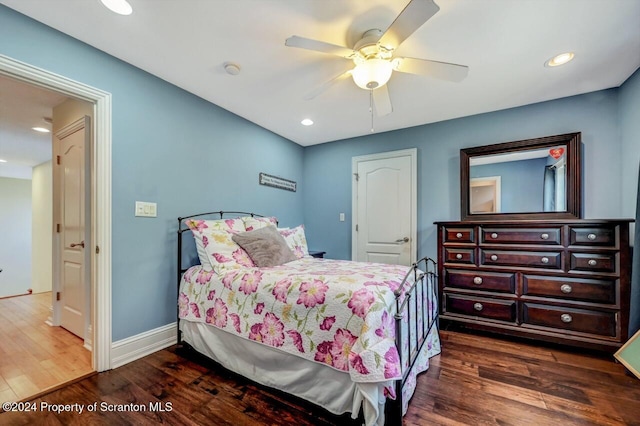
(101, 196)
(411, 152)
(135, 347)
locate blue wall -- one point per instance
(630, 136)
(169, 147)
(327, 167)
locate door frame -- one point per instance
(100, 265)
(411, 152)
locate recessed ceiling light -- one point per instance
(2, 161)
(307, 122)
(560, 59)
(121, 7)
(41, 129)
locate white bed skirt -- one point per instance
(314, 382)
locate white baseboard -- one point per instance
(126, 350)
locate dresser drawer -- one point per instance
(480, 280)
(598, 291)
(579, 320)
(459, 235)
(457, 255)
(593, 262)
(546, 236)
(593, 236)
(501, 310)
(536, 259)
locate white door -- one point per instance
(384, 208)
(74, 245)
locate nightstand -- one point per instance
(317, 254)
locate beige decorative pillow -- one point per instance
(265, 246)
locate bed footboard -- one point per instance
(419, 305)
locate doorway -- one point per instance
(100, 181)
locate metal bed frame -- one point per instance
(424, 288)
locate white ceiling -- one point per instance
(504, 42)
(23, 107)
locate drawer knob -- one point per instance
(544, 236)
(566, 318)
(544, 260)
(591, 237)
(592, 262)
(459, 235)
(494, 257)
(566, 288)
(477, 280)
(458, 256)
(478, 306)
(494, 235)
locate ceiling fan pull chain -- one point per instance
(371, 107)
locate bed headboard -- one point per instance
(187, 254)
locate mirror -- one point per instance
(528, 179)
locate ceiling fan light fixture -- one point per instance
(372, 73)
(560, 59)
(121, 7)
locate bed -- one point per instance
(350, 337)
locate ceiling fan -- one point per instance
(374, 60)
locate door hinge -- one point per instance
(57, 159)
(356, 228)
(58, 228)
(58, 295)
(97, 249)
(357, 176)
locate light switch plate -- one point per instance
(341, 217)
(146, 209)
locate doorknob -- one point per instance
(80, 244)
(403, 240)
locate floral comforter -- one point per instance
(334, 312)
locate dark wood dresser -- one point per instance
(564, 281)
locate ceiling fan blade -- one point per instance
(441, 70)
(416, 13)
(319, 46)
(382, 101)
(318, 90)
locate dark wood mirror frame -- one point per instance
(573, 180)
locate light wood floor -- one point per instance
(34, 356)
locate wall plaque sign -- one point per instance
(277, 182)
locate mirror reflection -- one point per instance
(519, 182)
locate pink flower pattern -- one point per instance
(204, 277)
(361, 301)
(228, 278)
(242, 258)
(235, 319)
(312, 293)
(297, 339)
(250, 282)
(258, 309)
(391, 366)
(272, 330)
(183, 305)
(327, 323)
(281, 288)
(341, 348)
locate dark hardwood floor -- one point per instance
(476, 380)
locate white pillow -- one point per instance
(202, 229)
(253, 223)
(296, 240)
